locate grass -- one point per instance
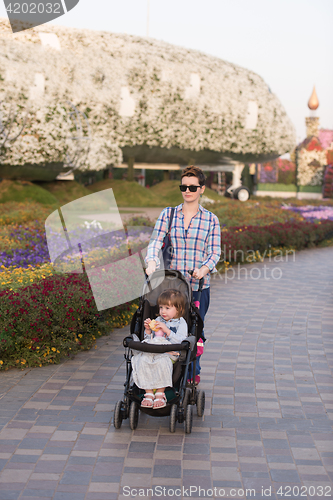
(22, 191)
(51, 195)
(128, 194)
(64, 191)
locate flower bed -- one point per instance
(254, 213)
(26, 246)
(312, 213)
(45, 314)
(240, 244)
(52, 319)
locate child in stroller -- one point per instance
(153, 372)
(179, 398)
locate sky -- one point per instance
(288, 43)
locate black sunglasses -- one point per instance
(192, 189)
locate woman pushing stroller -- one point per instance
(153, 372)
(195, 237)
(196, 240)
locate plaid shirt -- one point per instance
(198, 246)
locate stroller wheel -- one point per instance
(189, 419)
(173, 418)
(117, 416)
(133, 415)
(200, 403)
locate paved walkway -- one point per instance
(268, 419)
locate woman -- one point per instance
(195, 237)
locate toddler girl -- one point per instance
(153, 372)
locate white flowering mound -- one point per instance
(311, 166)
(143, 98)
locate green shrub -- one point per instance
(238, 242)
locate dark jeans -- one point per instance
(204, 305)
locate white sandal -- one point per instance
(161, 398)
(148, 398)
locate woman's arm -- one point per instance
(156, 240)
(213, 246)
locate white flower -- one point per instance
(91, 69)
(310, 167)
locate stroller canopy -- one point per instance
(164, 280)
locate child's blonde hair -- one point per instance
(174, 298)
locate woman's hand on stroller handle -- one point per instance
(151, 267)
(197, 273)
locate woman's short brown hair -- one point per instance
(193, 171)
(171, 298)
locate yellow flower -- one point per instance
(54, 349)
(80, 335)
(1, 362)
(37, 348)
(58, 352)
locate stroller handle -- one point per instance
(201, 281)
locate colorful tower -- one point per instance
(311, 156)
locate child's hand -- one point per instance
(146, 325)
(163, 327)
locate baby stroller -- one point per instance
(182, 396)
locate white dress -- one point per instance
(154, 371)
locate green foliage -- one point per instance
(128, 194)
(267, 186)
(239, 242)
(22, 191)
(65, 191)
(167, 192)
(286, 176)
